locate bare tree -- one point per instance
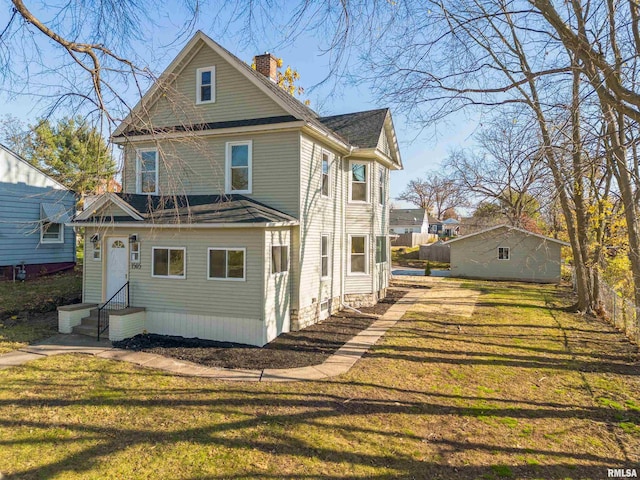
(436, 193)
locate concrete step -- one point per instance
(90, 331)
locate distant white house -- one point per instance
(506, 253)
(408, 220)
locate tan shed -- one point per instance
(506, 253)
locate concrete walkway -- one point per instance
(338, 363)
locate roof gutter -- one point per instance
(334, 141)
(185, 226)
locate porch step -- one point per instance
(90, 331)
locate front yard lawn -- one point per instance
(518, 389)
(28, 309)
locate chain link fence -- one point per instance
(621, 313)
(618, 311)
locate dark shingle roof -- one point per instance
(213, 125)
(360, 129)
(406, 216)
(182, 209)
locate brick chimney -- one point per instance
(267, 65)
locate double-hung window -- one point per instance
(325, 174)
(324, 255)
(169, 262)
(358, 254)
(279, 258)
(206, 85)
(51, 232)
(226, 264)
(238, 166)
(381, 249)
(359, 187)
(503, 253)
(147, 171)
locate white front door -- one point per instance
(117, 264)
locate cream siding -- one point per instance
(383, 143)
(531, 258)
(319, 215)
(236, 97)
(196, 166)
(359, 221)
(91, 270)
(277, 291)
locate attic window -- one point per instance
(503, 253)
(205, 85)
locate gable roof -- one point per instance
(360, 129)
(346, 130)
(231, 210)
(406, 216)
(508, 228)
(28, 166)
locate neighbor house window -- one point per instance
(226, 264)
(206, 85)
(324, 255)
(51, 232)
(325, 174)
(358, 254)
(279, 258)
(147, 171)
(238, 166)
(169, 262)
(381, 249)
(503, 253)
(381, 184)
(359, 188)
(134, 253)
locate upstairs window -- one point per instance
(381, 184)
(504, 253)
(358, 184)
(279, 258)
(147, 171)
(325, 175)
(51, 232)
(238, 166)
(206, 83)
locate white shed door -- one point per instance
(117, 264)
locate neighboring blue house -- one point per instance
(33, 211)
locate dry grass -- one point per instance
(28, 310)
(521, 389)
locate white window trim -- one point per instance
(382, 185)
(227, 279)
(94, 250)
(139, 252)
(199, 71)
(366, 256)
(139, 172)
(322, 155)
(367, 181)
(184, 263)
(386, 248)
(227, 166)
(508, 254)
(288, 259)
(58, 240)
(328, 276)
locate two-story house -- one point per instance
(244, 214)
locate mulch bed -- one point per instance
(310, 346)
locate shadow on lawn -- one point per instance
(313, 410)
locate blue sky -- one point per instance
(421, 150)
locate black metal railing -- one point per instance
(118, 301)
